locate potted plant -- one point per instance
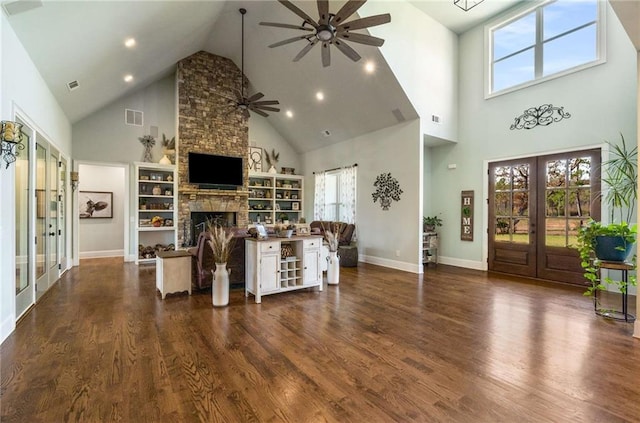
(429, 223)
(613, 241)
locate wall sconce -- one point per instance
(75, 180)
(11, 137)
(466, 5)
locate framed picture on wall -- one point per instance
(95, 204)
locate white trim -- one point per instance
(393, 264)
(467, 264)
(103, 253)
(601, 47)
(7, 327)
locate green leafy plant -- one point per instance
(432, 221)
(586, 248)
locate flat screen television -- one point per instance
(212, 171)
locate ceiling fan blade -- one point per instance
(281, 25)
(326, 55)
(365, 22)
(348, 51)
(305, 50)
(265, 102)
(260, 112)
(298, 12)
(323, 12)
(290, 40)
(362, 39)
(256, 96)
(271, 109)
(347, 10)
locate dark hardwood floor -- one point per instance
(384, 346)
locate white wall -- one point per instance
(22, 90)
(599, 99)
(262, 134)
(104, 136)
(423, 55)
(103, 237)
(381, 234)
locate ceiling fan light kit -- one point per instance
(467, 5)
(331, 29)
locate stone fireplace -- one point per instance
(208, 124)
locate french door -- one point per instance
(536, 207)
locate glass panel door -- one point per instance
(24, 284)
(62, 212)
(42, 283)
(53, 225)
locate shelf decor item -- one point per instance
(148, 142)
(271, 160)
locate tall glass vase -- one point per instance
(333, 268)
(220, 286)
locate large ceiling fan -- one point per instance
(331, 29)
(244, 103)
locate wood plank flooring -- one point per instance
(453, 345)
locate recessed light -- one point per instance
(128, 78)
(320, 95)
(130, 42)
(369, 67)
(289, 114)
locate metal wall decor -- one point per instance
(540, 116)
(387, 189)
(466, 5)
(11, 137)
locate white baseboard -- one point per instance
(103, 253)
(393, 264)
(636, 329)
(467, 264)
(6, 328)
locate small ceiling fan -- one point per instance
(331, 29)
(244, 103)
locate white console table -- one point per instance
(266, 272)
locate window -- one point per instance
(550, 40)
(335, 195)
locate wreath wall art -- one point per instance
(387, 189)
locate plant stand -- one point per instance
(623, 315)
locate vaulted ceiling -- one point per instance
(83, 41)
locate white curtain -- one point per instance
(318, 199)
(348, 177)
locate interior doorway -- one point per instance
(536, 208)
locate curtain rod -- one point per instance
(336, 168)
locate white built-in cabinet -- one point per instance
(275, 197)
(267, 271)
(155, 188)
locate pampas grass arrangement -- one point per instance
(221, 242)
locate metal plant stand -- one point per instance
(623, 315)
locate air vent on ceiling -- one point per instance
(436, 119)
(19, 6)
(133, 117)
(73, 85)
(398, 114)
(326, 133)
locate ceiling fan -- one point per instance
(331, 29)
(244, 103)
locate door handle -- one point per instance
(52, 234)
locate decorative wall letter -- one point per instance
(466, 216)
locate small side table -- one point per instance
(173, 272)
(624, 267)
